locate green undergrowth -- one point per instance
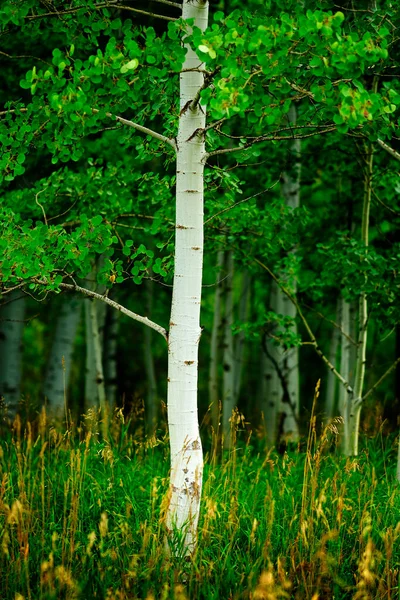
(83, 518)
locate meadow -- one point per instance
(82, 517)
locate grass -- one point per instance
(82, 518)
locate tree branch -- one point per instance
(389, 149)
(76, 288)
(98, 6)
(390, 369)
(141, 128)
(311, 335)
(268, 138)
(240, 202)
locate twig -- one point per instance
(389, 149)
(41, 205)
(311, 335)
(240, 202)
(268, 138)
(373, 388)
(141, 128)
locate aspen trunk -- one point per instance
(228, 402)
(151, 397)
(59, 365)
(184, 333)
(90, 367)
(271, 387)
(331, 380)
(356, 401)
(213, 388)
(11, 330)
(110, 356)
(290, 358)
(345, 355)
(95, 394)
(240, 337)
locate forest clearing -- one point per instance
(199, 299)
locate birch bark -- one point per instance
(331, 380)
(271, 385)
(59, 365)
(356, 401)
(290, 359)
(110, 356)
(184, 333)
(11, 330)
(345, 350)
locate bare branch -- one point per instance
(41, 205)
(145, 12)
(169, 3)
(311, 335)
(390, 369)
(98, 6)
(268, 138)
(106, 300)
(15, 57)
(240, 202)
(141, 128)
(389, 149)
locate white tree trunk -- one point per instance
(331, 379)
(345, 353)
(271, 387)
(60, 358)
(228, 401)
(213, 388)
(11, 330)
(185, 331)
(240, 337)
(95, 394)
(290, 359)
(356, 401)
(110, 356)
(90, 367)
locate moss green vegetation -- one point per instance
(82, 518)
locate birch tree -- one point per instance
(11, 329)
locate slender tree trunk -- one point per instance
(271, 386)
(240, 337)
(290, 359)
(213, 388)
(151, 397)
(91, 398)
(228, 402)
(356, 402)
(11, 330)
(97, 356)
(95, 394)
(184, 333)
(331, 380)
(60, 359)
(110, 356)
(345, 353)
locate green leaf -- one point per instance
(130, 66)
